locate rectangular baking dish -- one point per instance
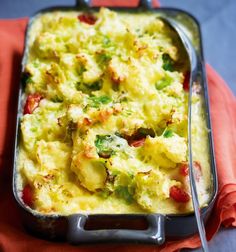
(138, 228)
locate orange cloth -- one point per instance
(122, 3)
(14, 238)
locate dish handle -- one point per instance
(83, 3)
(154, 232)
(146, 4)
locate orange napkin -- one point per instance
(14, 238)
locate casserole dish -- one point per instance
(99, 227)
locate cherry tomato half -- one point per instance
(179, 195)
(27, 195)
(87, 18)
(32, 102)
(183, 170)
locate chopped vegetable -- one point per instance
(107, 145)
(167, 62)
(168, 133)
(103, 58)
(87, 18)
(103, 145)
(179, 195)
(88, 88)
(124, 193)
(165, 82)
(32, 102)
(27, 195)
(96, 101)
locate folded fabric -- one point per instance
(13, 237)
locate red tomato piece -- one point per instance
(27, 195)
(179, 195)
(137, 143)
(87, 18)
(87, 121)
(186, 81)
(32, 102)
(184, 170)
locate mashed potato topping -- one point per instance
(104, 128)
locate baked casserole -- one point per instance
(104, 124)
